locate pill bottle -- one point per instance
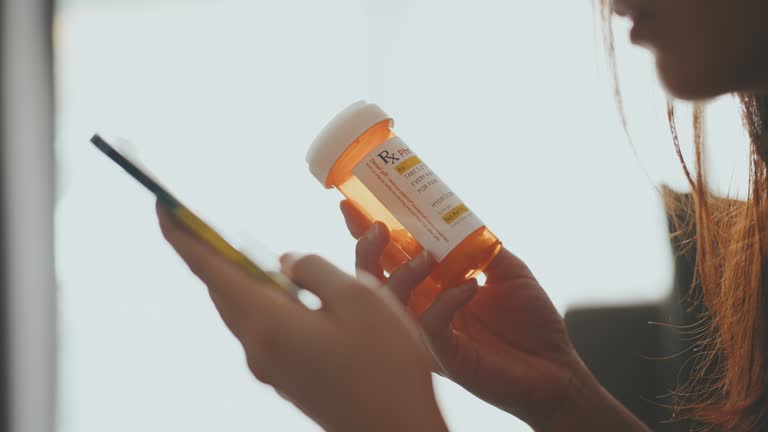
(359, 154)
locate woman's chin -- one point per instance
(690, 86)
(692, 81)
(689, 93)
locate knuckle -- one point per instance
(265, 342)
(257, 368)
(262, 350)
(199, 266)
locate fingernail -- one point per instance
(287, 260)
(377, 230)
(380, 228)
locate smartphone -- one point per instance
(191, 221)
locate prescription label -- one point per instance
(417, 198)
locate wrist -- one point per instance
(431, 420)
(589, 406)
(416, 410)
(423, 416)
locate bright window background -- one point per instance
(509, 102)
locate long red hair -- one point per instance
(728, 388)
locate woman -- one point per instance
(361, 364)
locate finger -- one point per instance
(409, 275)
(189, 247)
(423, 296)
(369, 250)
(436, 320)
(506, 266)
(317, 276)
(238, 297)
(357, 221)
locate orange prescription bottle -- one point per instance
(359, 154)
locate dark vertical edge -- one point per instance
(4, 327)
(47, 25)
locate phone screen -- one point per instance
(192, 221)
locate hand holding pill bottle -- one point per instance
(359, 154)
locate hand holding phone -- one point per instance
(191, 221)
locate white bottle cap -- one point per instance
(339, 134)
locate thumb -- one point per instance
(506, 266)
(436, 320)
